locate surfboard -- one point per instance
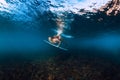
(55, 45)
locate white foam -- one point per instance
(76, 5)
(27, 9)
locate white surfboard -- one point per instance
(55, 45)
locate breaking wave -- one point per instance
(30, 9)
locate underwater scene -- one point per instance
(59, 39)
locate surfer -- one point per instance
(55, 40)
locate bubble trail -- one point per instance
(63, 20)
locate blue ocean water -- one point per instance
(25, 24)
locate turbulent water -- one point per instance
(29, 9)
